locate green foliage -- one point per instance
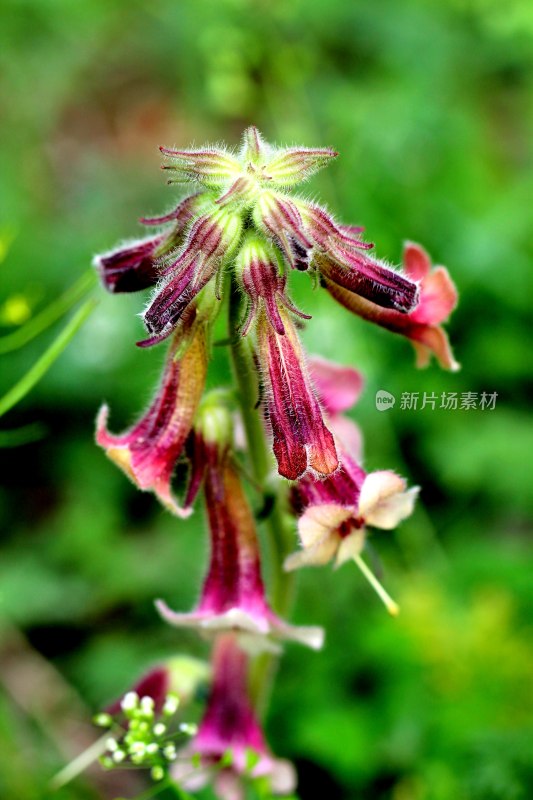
(430, 107)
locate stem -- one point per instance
(41, 366)
(278, 525)
(392, 607)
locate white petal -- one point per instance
(350, 546)
(384, 500)
(322, 521)
(317, 555)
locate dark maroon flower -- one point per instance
(212, 238)
(438, 298)
(131, 267)
(278, 217)
(136, 265)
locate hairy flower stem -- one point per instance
(277, 524)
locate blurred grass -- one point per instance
(430, 107)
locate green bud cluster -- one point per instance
(143, 738)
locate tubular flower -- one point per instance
(148, 452)
(211, 239)
(263, 284)
(135, 265)
(438, 298)
(233, 595)
(333, 514)
(230, 745)
(301, 440)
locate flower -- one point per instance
(301, 440)
(333, 514)
(338, 388)
(148, 452)
(230, 744)
(233, 594)
(263, 285)
(211, 239)
(438, 298)
(135, 265)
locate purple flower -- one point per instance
(438, 298)
(135, 265)
(211, 239)
(263, 285)
(301, 440)
(148, 452)
(230, 744)
(233, 595)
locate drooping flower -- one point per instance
(135, 265)
(148, 452)
(301, 440)
(233, 594)
(422, 325)
(339, 256)
(230, 746)
(333, 515)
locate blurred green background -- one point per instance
(430, 106)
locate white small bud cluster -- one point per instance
(144, 740)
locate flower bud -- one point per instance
(264, 287)
(209, 166)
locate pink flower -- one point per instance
(230, 732)
(438, 298)
(148, 452)
(301, 440)
(233, 595)
(338, 389)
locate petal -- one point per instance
(338, 387)
(315, 556)
(131, 267)
(416, 261)
(350, 546)
(438, 298)
(322, 521)
(384, 500)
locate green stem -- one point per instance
(49, 315)
(36, 372)
(278, 525)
